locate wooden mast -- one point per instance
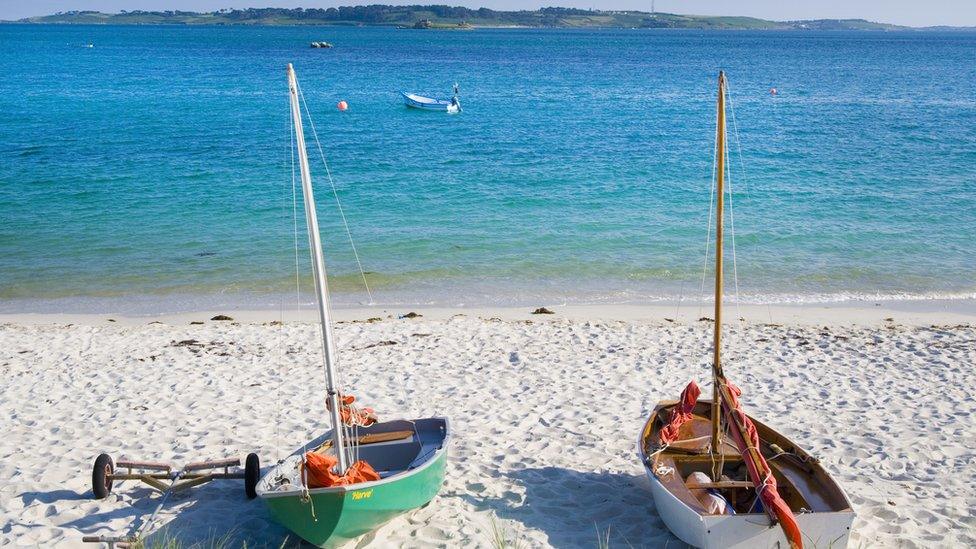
(320, 276)
(719, 212)
(720, 387)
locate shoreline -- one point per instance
(908, 313)
(803, 26)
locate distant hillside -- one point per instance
(450, 17)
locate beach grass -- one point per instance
(170, 540)
(503, 538)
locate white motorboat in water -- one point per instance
(452, 105)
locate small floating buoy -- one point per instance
(342, 105)
(773, 91)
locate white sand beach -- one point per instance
(546, 410)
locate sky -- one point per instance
(902, 12)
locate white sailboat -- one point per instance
(721, 479)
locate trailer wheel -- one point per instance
(102, 476)
(252, 472)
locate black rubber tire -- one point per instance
(101, 476)
(252, 472)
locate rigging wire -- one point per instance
(281, 312)
(702, 351)
(335, 194)
(331, 344)
(351, 431)
(708, 230)
(742, 170)
(294, 218)
(728, 171)
(298, 276)
(349, 451)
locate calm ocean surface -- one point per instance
(151, 172)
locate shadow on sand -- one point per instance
(576, 509)
(200, 517)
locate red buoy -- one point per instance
(343, 105)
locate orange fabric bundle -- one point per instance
(744, 433)
(318, 472)
(681, 413)
(352, 415)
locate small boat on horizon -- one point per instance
(721, 479)
(421, 102)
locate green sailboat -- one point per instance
(408, 456)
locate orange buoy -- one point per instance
(342, 105)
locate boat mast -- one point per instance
(318, 271)
(716, 356)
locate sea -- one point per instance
(149, 169)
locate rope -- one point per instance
(759, 490)
(305, 496)
(335, 194)
(663, 470)
(666, 446)
(725, 436)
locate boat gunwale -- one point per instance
(650, 472)
(264, 494)
(648, 428)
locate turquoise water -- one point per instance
(151, 172)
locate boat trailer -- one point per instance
(167, 480)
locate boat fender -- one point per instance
(713, 502)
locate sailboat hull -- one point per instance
(825, 523)
(330, 517)
(745, 531)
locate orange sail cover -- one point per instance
(746, 437)
(318, 472)
(680, 413)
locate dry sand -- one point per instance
(545, 413)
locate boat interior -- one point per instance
(390, 447)
(801, 481)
